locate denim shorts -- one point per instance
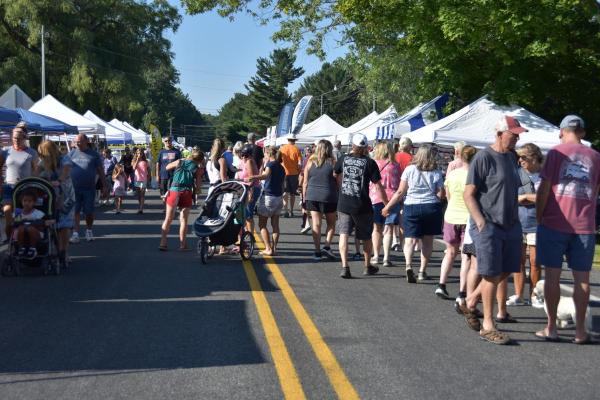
(498, 249)
(421, 220)
(392, 219)
(553, 245)
(7, 192)
(84, 200)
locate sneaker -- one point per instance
(31, 253)
(286, 214)
(396, 246)
(74, 238)
(374, 260)
(305, 230)
(515, 300)
(387, 264)
(370, 270)
(423, 276)
(346, 273)
(328, 253)
(21, 252)
(410, 276)
(89, 236)
(442, 293)
(357, 257)
(318, 256)
(536, 302)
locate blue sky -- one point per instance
(216, 57)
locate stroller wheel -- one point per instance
(203, 250)
(247, 246)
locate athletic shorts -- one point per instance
(183, 199)
(362, 222)
(554, 245)
(320, 206)
(291, 184)
(269, 206)
(84, 201)
(529, 238)
(7, 192)
(420, 220)
(454, 234)
(469, 249)
(392, 219)
(498, 249)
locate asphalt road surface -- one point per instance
(130, 322)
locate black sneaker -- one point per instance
(21, 252)
(357, 257)
(442, 293)
(410, 276)
(328, 253)
(317, 256)
(31, 253)
(346, 273)
(370, 270)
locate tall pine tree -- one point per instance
(267, 90)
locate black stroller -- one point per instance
(221, 221)
(47, 248)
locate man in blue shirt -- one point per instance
(86, 167)
(165, 156)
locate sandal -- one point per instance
(548, 338)
(162, 247)
(472, 319)
(587, 340)
(494, 336)
(507, 319)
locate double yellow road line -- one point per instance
(288, 377)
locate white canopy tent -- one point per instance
(136, 136)
(51, 107)
(15, 97)
(345, 135)
(141, 137)
(475, 125)
(114, 135)
(320, 128)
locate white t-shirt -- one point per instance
(467, 239)
(422, 185)
(34, 215)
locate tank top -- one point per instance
(246, 172)
(214, 176)
(321, 185)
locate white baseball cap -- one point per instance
(360, 140)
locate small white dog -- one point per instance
(565, 315)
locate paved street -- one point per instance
(128, 321)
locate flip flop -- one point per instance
(547, 338)
(587, 340)
(507, 319)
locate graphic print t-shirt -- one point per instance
(357, 173)
(573, 170)
(165, 157)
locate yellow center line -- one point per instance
(337, 377)
(288, 378)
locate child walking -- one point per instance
(119, 186)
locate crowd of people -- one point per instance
(497, 209)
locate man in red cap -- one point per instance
(491, 197)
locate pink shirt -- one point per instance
(245, 173)
(141, 171)
(390, 180)
(573, 170)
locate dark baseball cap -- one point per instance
(573, 122)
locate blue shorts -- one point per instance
(7, 192)
(392, 219)
(84, 200)
(251, 204)
(553, 245)
(65, 220)
(421, 220)
(498, 249)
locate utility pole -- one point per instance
(43, 64)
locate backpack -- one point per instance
(183, 177)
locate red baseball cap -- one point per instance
(510, 124)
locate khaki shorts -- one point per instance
(529, 239)
(269, 206)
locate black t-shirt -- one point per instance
(257, 154)
(357, 173)
(274, 184)
(126, 160)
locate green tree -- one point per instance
(267, 90)
(541, 54)
(339, 91)
(233, 122)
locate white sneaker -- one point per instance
(536, 302)
(306, 229)
(515, 300)
(74, 238)
(89, 236)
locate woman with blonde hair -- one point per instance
(320, 193)
(216, 167)
(423, 184)
(56, 168)
(390, 179)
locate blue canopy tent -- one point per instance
(46, 124)
(9, 118)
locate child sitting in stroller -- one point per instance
(29, 225)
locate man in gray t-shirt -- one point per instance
(20, 162)
(491, 197)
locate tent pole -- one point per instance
(43, 65)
